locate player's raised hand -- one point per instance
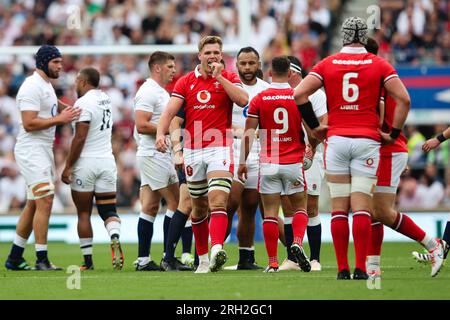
(66, 175)
(242, 172)
(217, 68)
(161, 144)
(69, 114)
(320, 132)
(430, 144)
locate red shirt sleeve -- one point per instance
(387, 70)
(233, 78)
(318, 70)
(179, 90)
(253, 109)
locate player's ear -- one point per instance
(270, 73)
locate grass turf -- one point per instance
(402, 278)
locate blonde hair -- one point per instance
(209, 40)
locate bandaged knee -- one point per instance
(40, 190)
(338, 190)
(106, 206)
(363, 184)
(222, 184)
(198, 190)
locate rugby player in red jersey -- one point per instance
(281, 160)
(207, 95)
(353, 80)
(393, 161)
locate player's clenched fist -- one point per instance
(430, 144)
(66, 175)
(161, 144)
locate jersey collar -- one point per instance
(280, 85)
(353, 50)
(197, 71)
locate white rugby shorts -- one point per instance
(157, 171)
(391, 167)
(199, 162)
(285, 179)
(94, 175)
(353, 156)
(36, 163)
(252, 164)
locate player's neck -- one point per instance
(158, 79)
(249, 83)
(43, 75)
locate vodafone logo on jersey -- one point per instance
(203, 96)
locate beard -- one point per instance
(248, 76)
(53, 74)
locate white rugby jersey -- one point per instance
(240, 114)
(151, 97)
(96, 108)
(319, 103)
(36, 94)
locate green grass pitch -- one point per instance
(402, 278)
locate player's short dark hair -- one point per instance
(248, 50)
(280, 65)
(159, 57)
(91, 75)
(372, 46)
(209, 40)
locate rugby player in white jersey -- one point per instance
(41, 112)
(158, 175)
(244, 196)
(314, 175)
(91, 168)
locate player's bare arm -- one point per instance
(307, 87)
(395, 88)
(237, 95)
(143, 124)
(81, 132)
(382, 108)
(175, 138)
(31, 121)
(433, 143)
(251, 124)
(169, 113)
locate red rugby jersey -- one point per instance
(280, 130)
(208, 109)
(353, 80)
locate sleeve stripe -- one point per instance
(317, 75)
(252, 115)
(391, 77)
(177, 95)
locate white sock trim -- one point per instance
(41, 247)
(19, 241)
(188, 224)
(113, 228)
(429, 242)
(169, 213)
(144, 260)
(252, 248)
(314, 221)
(203, 258)
(288, 220)
(146, 217)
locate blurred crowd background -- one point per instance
(413, 32)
